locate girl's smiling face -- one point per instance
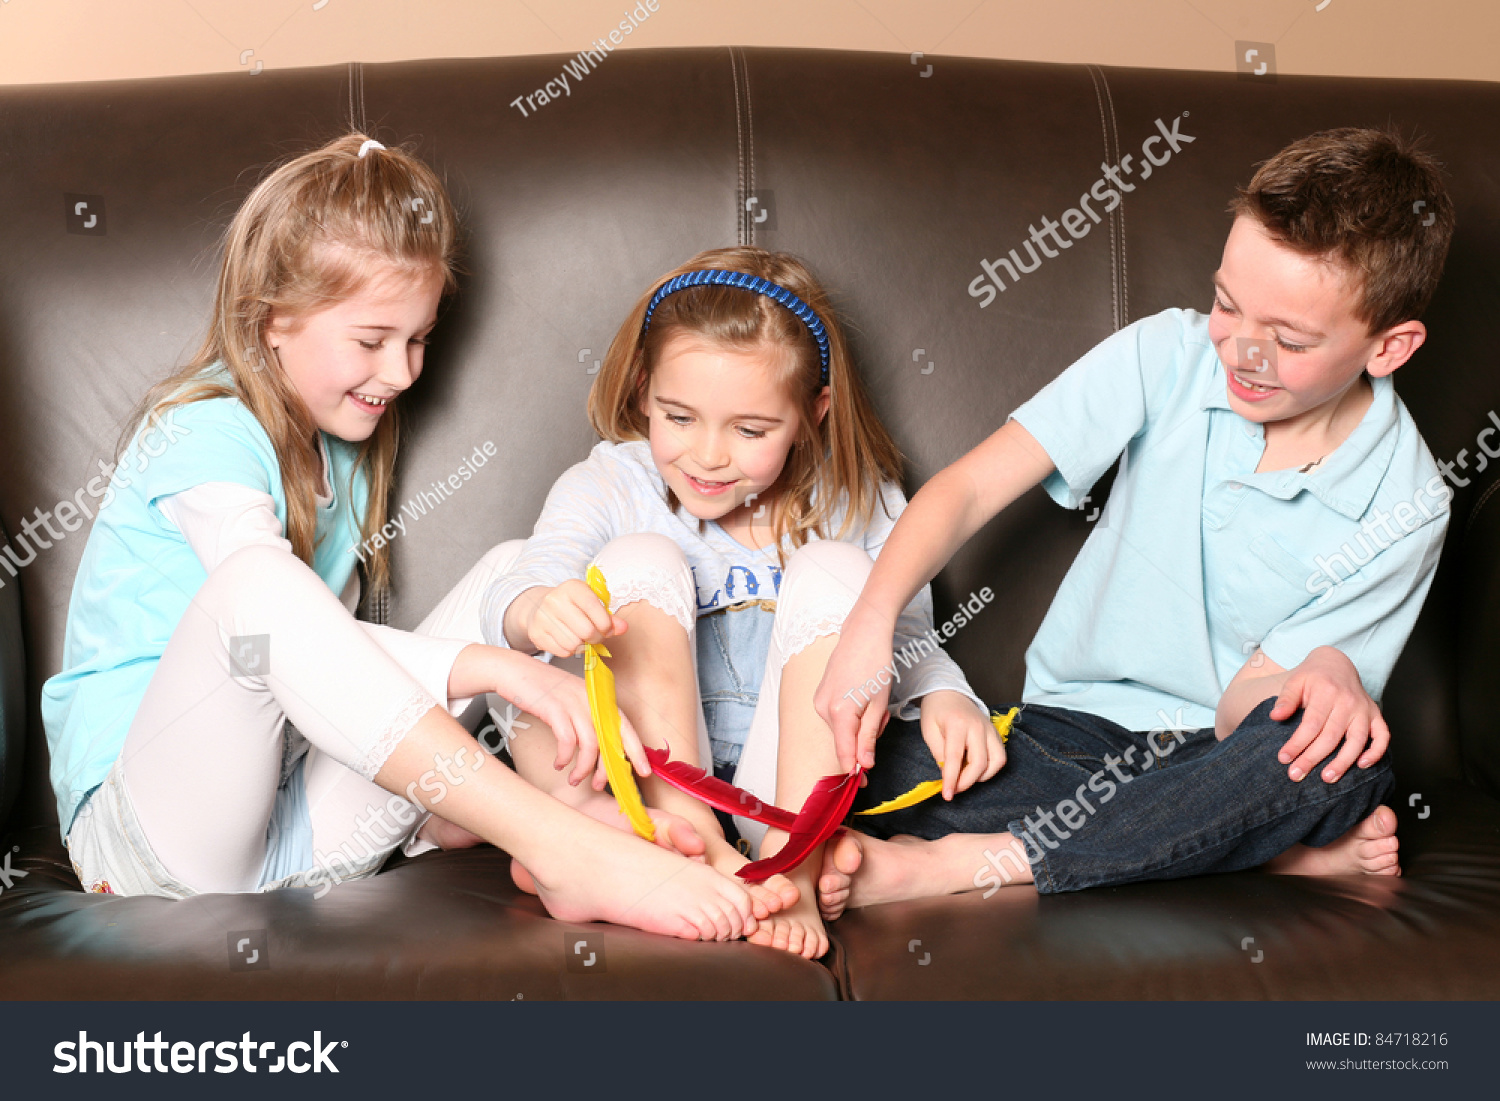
(349, 361)
(720, 425)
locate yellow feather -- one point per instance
(600, 684)
(932, 787)
(922, 791)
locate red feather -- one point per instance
(821, 815)
(715, 792)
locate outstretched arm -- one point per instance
(950, 508)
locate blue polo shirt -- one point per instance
(1197, 560)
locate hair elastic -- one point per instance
(370, 143)
(720, 278)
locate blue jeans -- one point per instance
(1095, 804)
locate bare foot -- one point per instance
(616, 878)
(842, 857)
(447, 835)
(796, 928)
(771, 896)
(673, 833)
(1368, 849)
(862, 871)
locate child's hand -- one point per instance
(561, 700)
(569, 617)
(961, 739)
(859, 666)
(1335, 708)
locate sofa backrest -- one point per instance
(893, 184)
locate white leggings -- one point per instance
(822, 581)
(204, 755)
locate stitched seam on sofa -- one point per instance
(750, 144)
(1115, 291)
(739, 148)
(1479, 504)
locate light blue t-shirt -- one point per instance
(138, 575)
(1197, 560)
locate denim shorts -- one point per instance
(732, 647)
(111, 854)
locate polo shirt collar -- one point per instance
(1345, 481)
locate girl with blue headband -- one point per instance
(742, 487)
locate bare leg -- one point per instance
(584, 870)
(534, 750)
(655, 682)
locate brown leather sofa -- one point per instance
(893, 183)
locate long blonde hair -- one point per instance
(848, 453)
(311, 234)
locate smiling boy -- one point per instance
(1202, 695)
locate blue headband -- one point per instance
(720, 278)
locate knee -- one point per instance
(651, 567)
(502, 556)
(826, 576)
(251, 571)
(827, 566)
(822, 582)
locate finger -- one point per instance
(1322, 746)
(587, 759)
(1380, 738)
(567, 744)
(1313, 718)
(1352, 746)
(635, 752)
(845, 724)
(1350, 728)
(869, 729)
(977, 760)
(953, 760)
(1290, 699)
(996, 750)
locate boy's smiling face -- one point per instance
(1298, 311)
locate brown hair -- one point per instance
(312, 233)
(1369, 200)
(844, 456)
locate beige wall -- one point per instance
(66, 40)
